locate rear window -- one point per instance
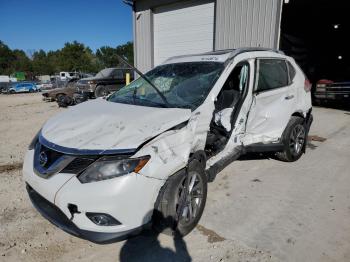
(273, 73)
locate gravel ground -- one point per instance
(258, 209)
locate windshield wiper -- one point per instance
(147, 80)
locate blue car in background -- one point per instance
(22, 87)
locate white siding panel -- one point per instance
(182, 28)
(143, 40)
(247, 23)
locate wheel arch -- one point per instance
(298, 114)
(57, 95)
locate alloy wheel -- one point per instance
(297, 139)
(192, 198)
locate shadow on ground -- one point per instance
(146, 247)
(257, 156)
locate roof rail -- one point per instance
(254, 49)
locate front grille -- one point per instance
(79, 164)
(53, 158)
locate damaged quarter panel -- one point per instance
(170, 151)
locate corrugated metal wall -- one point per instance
(143, 37)
(249, 23)
(238, 23)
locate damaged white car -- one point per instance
(107, 168)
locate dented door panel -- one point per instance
(269, 115)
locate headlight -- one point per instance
(112, 166)
(91, 82)
(34, 141)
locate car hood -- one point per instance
(103, 125)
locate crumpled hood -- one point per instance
(103, 125)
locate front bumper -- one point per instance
(59, 219)
(129, 199)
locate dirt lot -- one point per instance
(257, 209)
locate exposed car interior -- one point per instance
(226, 104)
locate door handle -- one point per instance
(289, 97)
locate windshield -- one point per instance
(184, 85)
(104, 72)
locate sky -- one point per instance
(48, 24)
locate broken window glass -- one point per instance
(184, 85)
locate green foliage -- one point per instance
(6, 59)
(73, 56)
(108, 56)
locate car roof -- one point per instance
(219, 55)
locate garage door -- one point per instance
(183, 28)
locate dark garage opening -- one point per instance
(316, 34)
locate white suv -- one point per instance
(105, 169)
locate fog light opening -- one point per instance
(102, 219)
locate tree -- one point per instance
(21, 62)
(108, 56)
(75, 57)
(6, 59)
(126, 51)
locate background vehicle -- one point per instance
(105, 169)
(104, 82)
(5, 83)
(327, 90)
(45, 85)
(67, 90)
(22, 87)
(4, 86)
(68, 75)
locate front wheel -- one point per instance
(101, 91)
(181, 201)
(294, 140)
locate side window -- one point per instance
(291, 71)
(117, 74)
(273, 73)
(233, 89)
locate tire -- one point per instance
(64, 101)
(294, 139)
(59, 97)
(165, 217)
(12, 91)
(101, 91)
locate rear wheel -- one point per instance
(294, 140)
(181, 201)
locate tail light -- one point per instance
(323, 83)
(307, 85)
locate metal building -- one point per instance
(164, 28)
